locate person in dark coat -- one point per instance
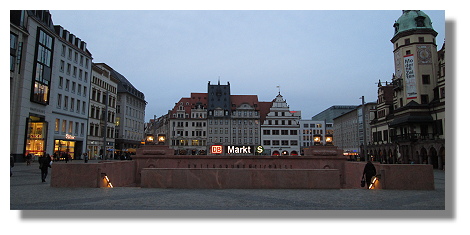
(44, 164)
(369, 171)
(12, 164)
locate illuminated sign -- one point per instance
(233, 149)
(70, 137)
(241, 149)
(217, 149)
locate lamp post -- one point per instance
(366, 157)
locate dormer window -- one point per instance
(420, 21)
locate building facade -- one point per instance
(332, 112)
(130, 115)
(280, 129)
(349, 133)
(410, 123)
(188, 128)
(49, 85)
(70, 94)
(102, 115)
(218, 114)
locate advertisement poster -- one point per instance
(410, 79)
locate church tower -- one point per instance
(416, 60)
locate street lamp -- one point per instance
(329, 140)
(150, 139)
(316, 140)
(161, 139)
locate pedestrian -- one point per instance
(85, 157)
(44, 164)
(369, 171)
(66, 157)
(12, 164)
(28, 159)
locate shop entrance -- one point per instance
(64, 146)
(36, 137)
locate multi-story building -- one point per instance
(410, 123)
(70, 93)
(348, 131)
(130, 114)
(188, 125)
(49, 85)
(102, 115)
(314, 132)
(218, 114)
(280, 129)
(332, 112)
(31, 32)
(245, 120)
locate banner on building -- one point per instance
(410, 79)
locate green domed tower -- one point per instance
(415, 52)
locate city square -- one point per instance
(27, 192)
(192, 120)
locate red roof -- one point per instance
(238, 100)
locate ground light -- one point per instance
(106, 181)
(375, 179)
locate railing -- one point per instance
(413, 137)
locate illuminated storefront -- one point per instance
(36, 136)
(65, 146)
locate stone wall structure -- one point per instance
(323, 167)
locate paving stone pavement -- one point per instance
(27, 192)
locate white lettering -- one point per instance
(243, 149)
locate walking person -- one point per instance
(369, 171)
(12, 164)
(85, 157)
(44, 164)
(28, 159)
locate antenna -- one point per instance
(279, 88)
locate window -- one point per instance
(57, 125)
(407, 41)
(62, 53)
(66, 100)
(62, 65)
(70, 127)
(42, 68)
(59, 100)
(76, 128)
(426, 79)
(13, 46)
(64, 126)
(72, 104)
(275, 132)
(424, 99)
